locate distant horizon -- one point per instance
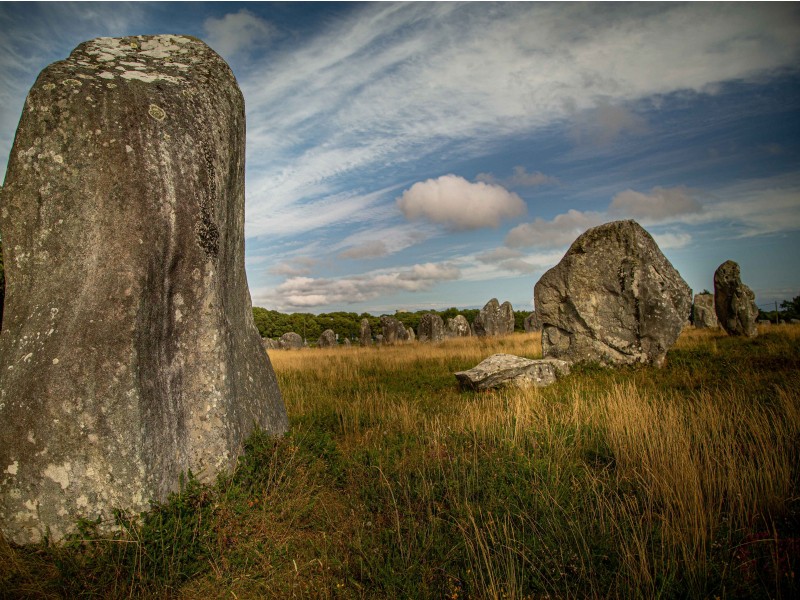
(414, 156)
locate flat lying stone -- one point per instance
(506, 369)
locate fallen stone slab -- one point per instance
(506, 369)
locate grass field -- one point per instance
(632, 483)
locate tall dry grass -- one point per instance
(635, 482)
(682, 473)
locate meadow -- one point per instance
(392, 483)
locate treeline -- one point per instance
(273, 324)
(789, 309)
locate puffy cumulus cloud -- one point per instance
(560, 231)
(659, 204)
(453, 201)
(307, 292)
(237, 31)
(520, 178)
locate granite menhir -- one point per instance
(614, 298)
(128, 353)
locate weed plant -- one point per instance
(391, 483)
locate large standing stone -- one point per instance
(431, 328)
(458, 326)
(703, 312)
(532, 323)
(494, 319)
(506, 369)
(128, 353)
(613, 298)
(365, 333)
(393, 330)
(291, 341)
(327, 339)
(734, 302)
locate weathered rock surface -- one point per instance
(327, 339)
(128, 353)
(365, 333)
(411, 335)
(506, 369)
(703, 312)
(291, 341)
(532, 323)
(494, 319)
(614, 298)
(270, 344)
(734, 302)
(393, 330)
(430, 328)
(458, 326)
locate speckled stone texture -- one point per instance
(614, 298)
(431, 328)
(494, 319)
(508, 370)
(128, 353)
(704, 314)
(734, 302)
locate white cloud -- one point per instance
(236, 32)
(504, 262)
(370, 249)
(308, 292)
(392, 83)
(671, 240)
(294, 267)
(375, 241)
(560, 231)
(455, 202)
(497, 255)
(520, 178)
(661, 203)
(604, 123)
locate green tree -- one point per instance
(791, 308)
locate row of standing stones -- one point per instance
(122, 212)
(615, 299)
(494, 319)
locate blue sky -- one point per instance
(428, 155)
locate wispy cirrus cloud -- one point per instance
(520, 178)
(661, 203)
(391, 84)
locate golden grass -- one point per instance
(635, 482)
(686, 469)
